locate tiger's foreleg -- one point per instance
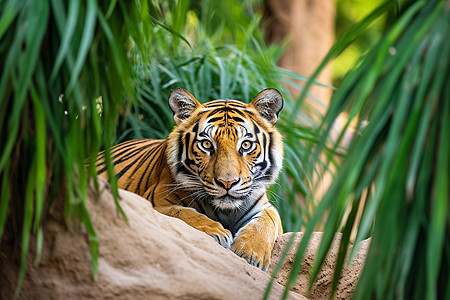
(200, 222)
(254, 241)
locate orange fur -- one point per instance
(213, 170)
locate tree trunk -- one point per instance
(308, 26)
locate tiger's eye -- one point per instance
(246, 145)
(206, 144)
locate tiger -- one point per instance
(212, 171)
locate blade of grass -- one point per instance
(170, 30)
(5, 197)
(41, 168)
(38, 18)
(86, 40)
(27, 221)
(9, 13)
(67, 29)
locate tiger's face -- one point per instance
(224, 151)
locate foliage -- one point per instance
(397, 168)
(64, 68)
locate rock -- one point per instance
(322, 286)
(152, 257)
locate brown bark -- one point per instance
(308, 26)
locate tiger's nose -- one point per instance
(226, 184)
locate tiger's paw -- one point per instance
(221, 235)
(253, 248)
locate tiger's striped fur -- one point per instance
(213, 170)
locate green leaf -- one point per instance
(41, 168)
(67, 30)
(87, 36)
(9, 12)
(37, 14)
(170, 30)
(5, 198)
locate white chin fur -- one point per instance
(226, 203)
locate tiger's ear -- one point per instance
(182, 103)
(268, 103)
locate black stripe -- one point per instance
(216, 216)
(173, 203)
(157, 183)
(180, 146)
(216, 111)
(248, 219)
(124, 170)
(271, 154)
(235, 103)
(101, 170)
(245, 221)
(153, 154)
(263, 165)
(229, 102)
(136, 158)
(264, 146)
(182, 169)
(189, 162)
(216, 102)
(126, 155)
(195, 128)
(237, 119)
(240, 112)
(117, 160)
(120, 155)
(180, 200)
(202, 210)
(256, 128)
(212, 120)
(125, 146)
(137, 154)
(233, 109)
(142, 160)
(214, 105)
(130, 143)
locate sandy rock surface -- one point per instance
(153, 257)
(322, 286)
